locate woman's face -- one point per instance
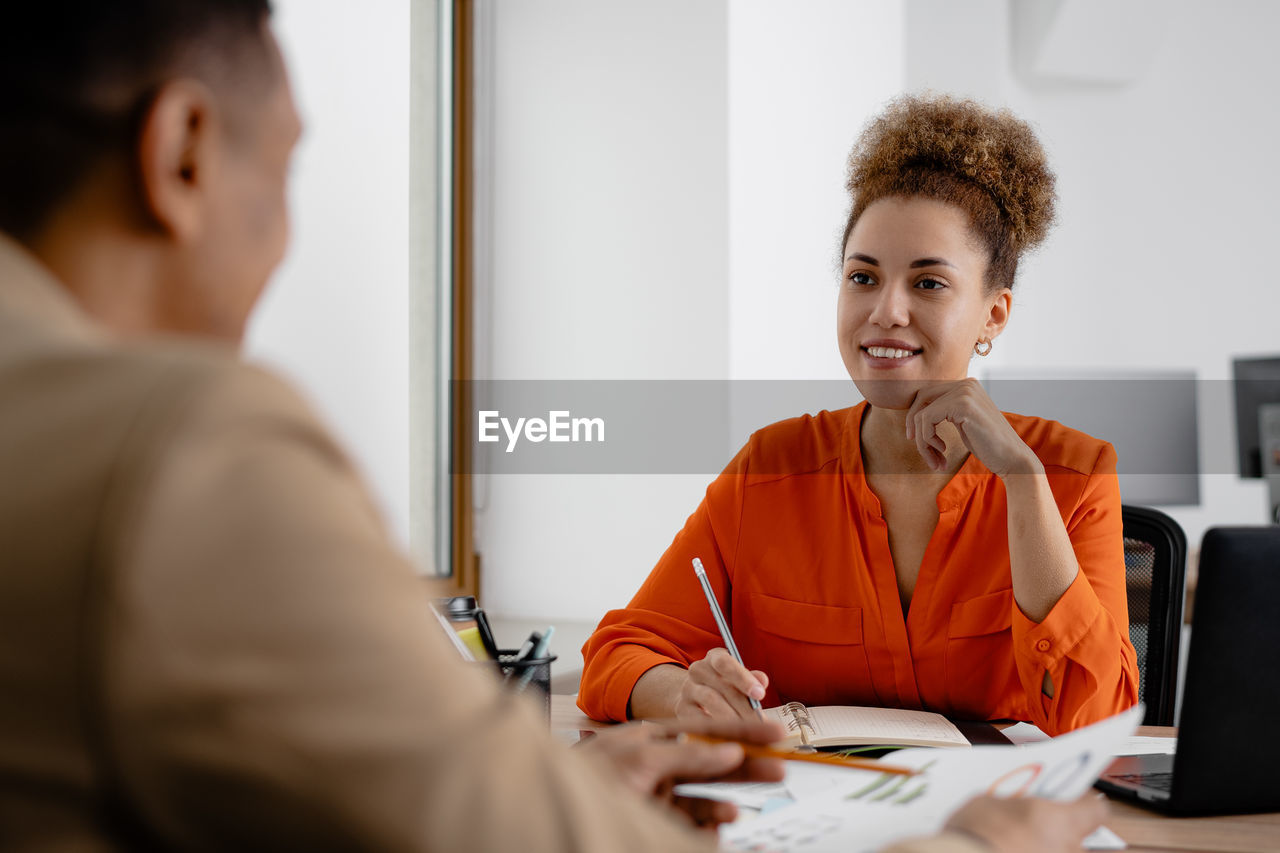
(912, 299)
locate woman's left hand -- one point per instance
(984, 430)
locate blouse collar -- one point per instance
(954, 494)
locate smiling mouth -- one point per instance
(890, 352)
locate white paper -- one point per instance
(803, 780)
(1103, 839)
(869, 812)
(749, 795)
(1022, 733)
(1142, 745)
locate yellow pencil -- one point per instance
(756, 751)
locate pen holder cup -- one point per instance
(527, 676)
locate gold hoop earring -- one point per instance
(978, 349)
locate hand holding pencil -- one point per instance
(721, 688)
(720, 685)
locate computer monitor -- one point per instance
(1149, 416)
(1256, 383)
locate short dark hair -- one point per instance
(76, 78)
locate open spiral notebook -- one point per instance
(852, 725)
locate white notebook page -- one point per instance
(889, 724)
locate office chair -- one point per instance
(1155, 564)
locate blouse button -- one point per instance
(1043, 645)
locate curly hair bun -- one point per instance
(919, 139)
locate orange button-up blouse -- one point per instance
(798, 553)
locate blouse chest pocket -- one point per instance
(985, 614)
(812, 653)
(979, 664)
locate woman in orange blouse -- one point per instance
(921, 549)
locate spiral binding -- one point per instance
(799, 716)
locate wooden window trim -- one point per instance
(465, 560)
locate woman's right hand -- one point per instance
(719, 686)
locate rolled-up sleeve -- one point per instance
(668, 621)
(1083, 643)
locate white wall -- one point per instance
(1164, 216)
(803, 79)
(1166, 194)
(1167, 190)
(607, 261)
(666, 200)
(666, 197)
(335, 318)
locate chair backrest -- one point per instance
(1155, 563)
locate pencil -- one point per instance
(729, 644)
(753, 750)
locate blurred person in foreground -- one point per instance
(207, 640)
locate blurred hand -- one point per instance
(1022, 824)
(720, 687)
(650, 760)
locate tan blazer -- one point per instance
(207, 641)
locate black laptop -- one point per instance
(1228, 756)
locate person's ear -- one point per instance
(998, 316)
(177, 157)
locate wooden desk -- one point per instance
(1150, 831)
(567, 722)
(1143, 830)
